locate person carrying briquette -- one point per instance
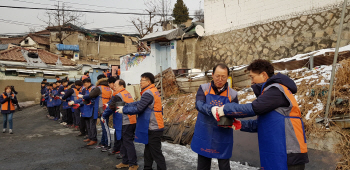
(64, 108)
(73, 100)
(209, 139)
(66, 97)
(8, 100)
(281, 134)
(56, 99)
(150, 125)
(101, 96)
(124, 125)
(43, 92)
(50, 102)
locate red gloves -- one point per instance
(76, 106)
(104, 106)
(236, 125)
(43, 99)
(56, 98)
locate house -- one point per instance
(36, 41)
(95, 46)
(175, 48)
(25, 68)
(14, 40)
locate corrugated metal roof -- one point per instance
(156, 35)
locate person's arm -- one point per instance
(139, 106)
(201, 105)
(111, 108)
(93, 94)
(272, 99)
(68, 94)
(14, 100)
(60, 89)
(249, 125)
(3, 100)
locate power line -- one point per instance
(20, 23)
(84, 11)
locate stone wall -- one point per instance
(274, 40)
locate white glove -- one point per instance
(106, 105)
(120, 109)
(80, 95)
(60, 97)
(219, 110)
(62, 93)
(103, 120)
(70, 103)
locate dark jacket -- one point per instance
(96, 91)
(273, 98)
(141, 106)
(43, 90)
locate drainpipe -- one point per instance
(98, 47)
(334, 63)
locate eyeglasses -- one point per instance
(217, 77)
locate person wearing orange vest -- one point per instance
(8, 100)
(150, 125)
(85, 76)
(58, 78)
(124, 125)
(99, 96)
(280, 128)
(108, 74)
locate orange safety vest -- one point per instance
(84, 77)
(127, 98)
(5, 105)
(105, 74)
(118, 72)
(106, 94)
(157, 108)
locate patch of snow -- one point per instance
(181, 154)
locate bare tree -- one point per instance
(32, 30)
(199, 15)
(145, 25)
(61, 21)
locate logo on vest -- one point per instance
(216, 103)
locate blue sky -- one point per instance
(22, 19)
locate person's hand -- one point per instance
(104, 106)
(103, 120)
(120, 109)
(236, 125)
(70, 103)
(76, 106)
(217, 112)
(62, 93)
(56, 98)
(80, 95)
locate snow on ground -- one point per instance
(313, 53)
(185, 157)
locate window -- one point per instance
(26, 41)
(10, 73)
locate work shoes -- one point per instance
(121, 165)
(113, 152)
(92, 143)
(10, 131)
(3, 130)
(87, 140)
(133, 167)
(106, 148)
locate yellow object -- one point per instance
(229, 81)
(96, 71)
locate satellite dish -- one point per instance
(199, 30)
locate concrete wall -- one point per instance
(222, 16)
(188, 52)
(26, 91)
(273, 40)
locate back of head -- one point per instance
(43, 83)
(101, 76)
(87, 80)
(78, 83)
(86, 72)
(59, 81)
(148, 76)
(258, 66)
(112, 80)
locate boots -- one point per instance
(121, 165)
(86, 140)
(92, 143)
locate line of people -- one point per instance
(81, 104)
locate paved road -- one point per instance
(39, 143)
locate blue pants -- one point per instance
(104, 138)
(9, 118)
